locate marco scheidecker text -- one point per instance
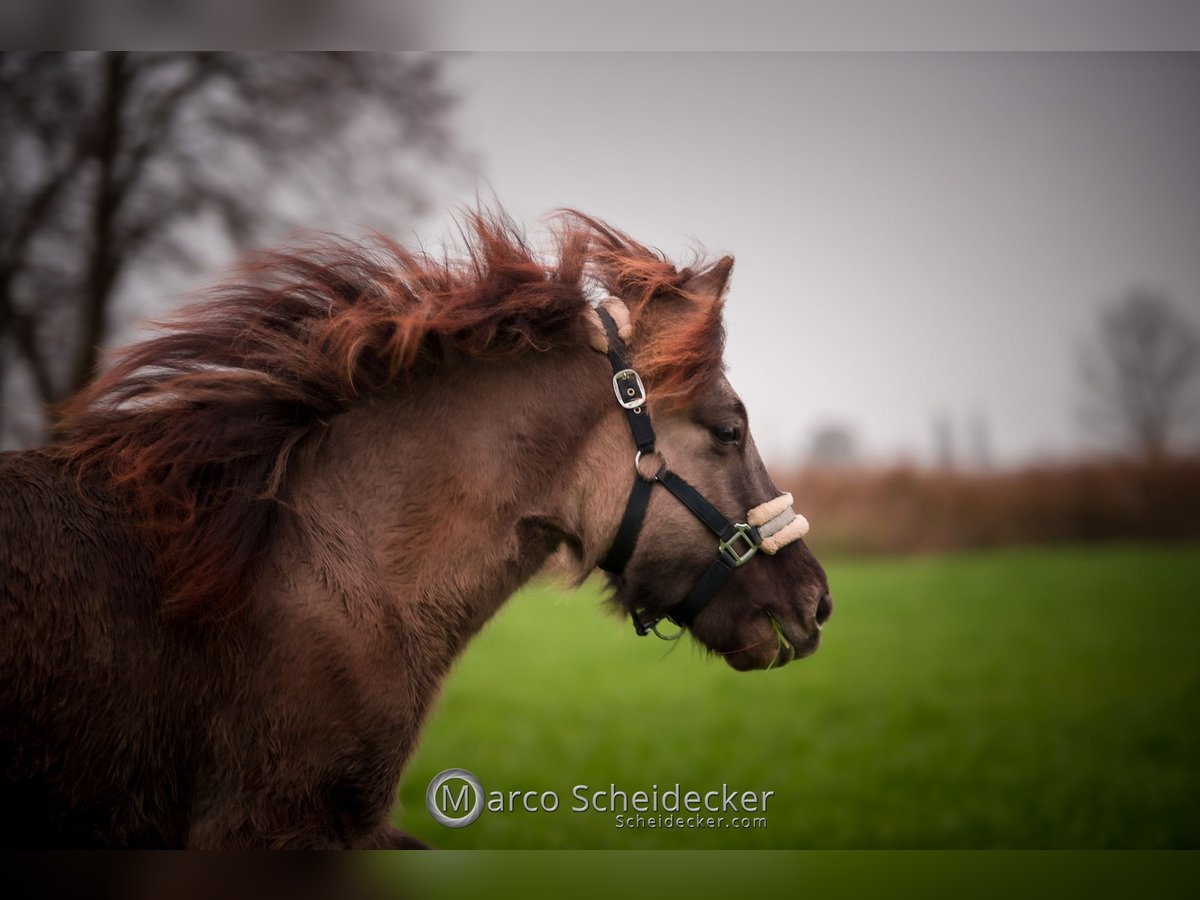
(456, 798)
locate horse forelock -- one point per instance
(199, 426)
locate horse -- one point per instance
(232, 585)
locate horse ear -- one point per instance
(713, 281)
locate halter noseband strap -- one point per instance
(768, 526)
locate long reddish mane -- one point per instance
(198, 427)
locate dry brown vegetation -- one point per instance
(904, 509)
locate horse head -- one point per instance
(706, 541)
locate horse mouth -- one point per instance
(790, 647)
(783, 644)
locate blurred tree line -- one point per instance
(1140, 391)
(115, 165)
(1140, 385)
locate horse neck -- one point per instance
(423, 510)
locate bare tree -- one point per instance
(1140, 371)
(115, 164)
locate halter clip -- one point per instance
(645, 628)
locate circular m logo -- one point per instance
(454, 798)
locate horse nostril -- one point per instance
(824, 609)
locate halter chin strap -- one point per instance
(768, 526)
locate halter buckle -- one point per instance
(628, 387)
(741, 530)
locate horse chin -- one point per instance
(750, 661)
(772, 654)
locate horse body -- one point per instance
(229, 597)
(91, 755)
(311, 697)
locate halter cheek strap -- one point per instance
(768, 526)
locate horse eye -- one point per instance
(727, 434)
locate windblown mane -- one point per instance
(198, 426)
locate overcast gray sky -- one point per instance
(915, 234)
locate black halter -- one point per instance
(631, 394)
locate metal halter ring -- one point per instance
(667, 637)
(637, 465)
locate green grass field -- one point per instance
(1022, 698)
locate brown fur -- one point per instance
(229, 595)
(199, 426)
